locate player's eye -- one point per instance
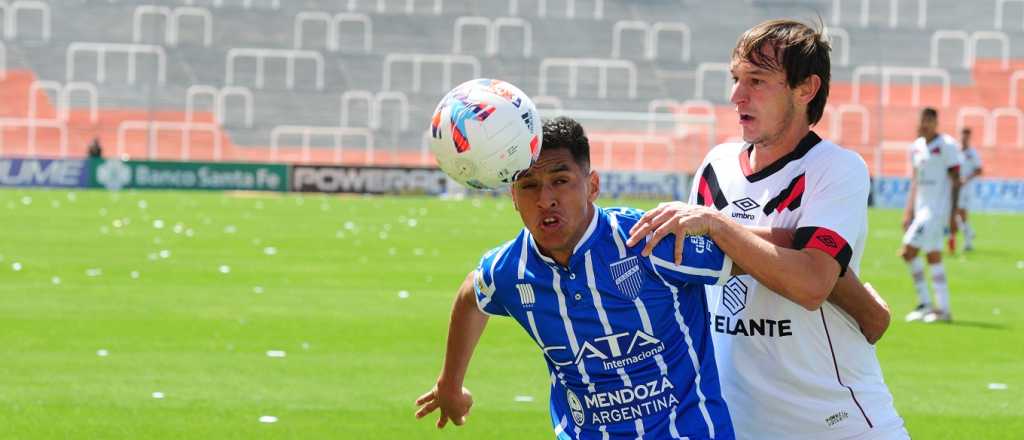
(528, 185)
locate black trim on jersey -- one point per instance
(793, 204)
(709, 178)
(835, 364)
(801, 149)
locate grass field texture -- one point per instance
(108, 298)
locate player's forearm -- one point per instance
(464, 330)
(955, 194)
(776, 236)
(794, 274)
(863, 304)
(909, 209)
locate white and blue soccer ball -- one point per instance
(485, 132)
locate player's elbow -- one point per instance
(812, 293)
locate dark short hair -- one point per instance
(930, 112)
(565, 133)
(799, 51)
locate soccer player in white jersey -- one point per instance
(625, 337)
(930, 214)
(820, 379)
(970, 169)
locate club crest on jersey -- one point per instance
(628, 277)
(734, 295)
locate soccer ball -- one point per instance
(484, 133)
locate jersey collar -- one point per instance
(584, 243)
(801, 149)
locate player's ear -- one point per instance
(512, 193)
(595, 186)
(807, 89)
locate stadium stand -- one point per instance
(355, 82)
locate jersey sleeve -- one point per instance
(834, 203)
(486, 283)
(951, 155)
(703, 262)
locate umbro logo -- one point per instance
(746, 204)
(827, 241)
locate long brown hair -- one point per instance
(798, 50)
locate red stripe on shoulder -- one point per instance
(797, 193)
(705, 193)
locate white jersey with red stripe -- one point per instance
(788, 373)
(932, 163)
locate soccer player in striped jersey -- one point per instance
(625, 336)
(820, 379)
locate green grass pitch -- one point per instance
(187, 292)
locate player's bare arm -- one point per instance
(805, 277)
(859, 300)
(954, 176)
(464, 330)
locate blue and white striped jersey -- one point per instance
(625, 337)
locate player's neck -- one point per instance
(767, 152)
(563, 255)
(931, 138)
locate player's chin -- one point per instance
(550, 240)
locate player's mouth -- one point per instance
(746, 118)
(551, 222)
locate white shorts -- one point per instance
(926, 233)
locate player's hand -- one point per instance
(676, 218)
(454, 405)
(874, 329)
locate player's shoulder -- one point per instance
(622, 218)
(830, 160)
(624, 213)
(502, 259)
(725, 150)
(949, 140)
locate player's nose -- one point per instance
(548, 198)
(739, 93)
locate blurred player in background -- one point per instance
(930, 213)
(970, 169)
(626, 337)
(821, 379)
